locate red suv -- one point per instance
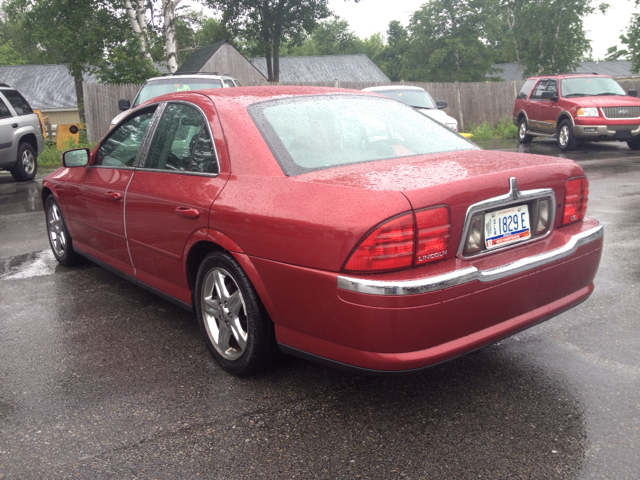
(575, 107)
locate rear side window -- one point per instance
(17, 101)
(182, 142)
(4, 110)
(229, 83)
(526, 89)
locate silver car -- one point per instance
(21, 135)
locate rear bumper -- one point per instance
(390, 323)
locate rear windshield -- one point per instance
(17, 101)
(170, 85)
(413, 98)
(317, 132)
(590, 86)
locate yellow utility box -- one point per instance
(66, 132)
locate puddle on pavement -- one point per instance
(19, 197)
(36, 264)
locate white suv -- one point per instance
(154, 87)
(419, 99)
(21, 136)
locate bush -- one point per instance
(52, 157)
(505, 129)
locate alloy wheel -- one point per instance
(563, 136)
(56, 230)
(224, 313)
(28, 162)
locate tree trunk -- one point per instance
(138, 22)
(267, 57)
(171, 48)
(75, 69)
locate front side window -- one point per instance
(182, 142)
(18, 102)
(541, 87)
(121, 147)
(317, 132)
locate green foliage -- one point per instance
(505, 129)
(632, 40)
(9, 56)
(614, 54)
(194, 31)
(391, 59)
(125, 64)
(548, 35)
(447, 42)
(331, 37)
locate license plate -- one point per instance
(624, 134)
(506, 226)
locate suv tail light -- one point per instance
(576, 195)
(394, 244)
(433, 234)
(389, 246)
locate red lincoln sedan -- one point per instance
(340, 226)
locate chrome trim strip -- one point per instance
(514, 197)
(468, 274)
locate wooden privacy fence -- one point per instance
(471, 104)
(101, 105)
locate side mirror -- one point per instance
(124, 104)
(78, 157)
(441, 104)
(633, 92)
(553, 96)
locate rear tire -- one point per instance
(233, 321)
(59, 238)
(26, 164)
(566, 140)
(523, 137)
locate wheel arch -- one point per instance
(562, 117)
(522, 114)
(201, 249)
(30, 138)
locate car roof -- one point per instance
(217, 76)
(391, 87)
(569, 75)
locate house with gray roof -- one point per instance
(48, 88)
(224, 59)
(326, 68)
(617, 68)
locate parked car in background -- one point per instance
(342, 226)
(577, 107)
(154, 87)
(419, 99)
(21, 135)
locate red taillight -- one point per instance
(392, 245)
(433, 234)
(576, 195)
(389, 246)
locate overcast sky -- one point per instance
(372, 16)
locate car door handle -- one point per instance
(14, 125)
(113, 195)
(187, 212)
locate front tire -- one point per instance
(566, 140)
(59, 238)
(523, 137)
(233, 321)
(26, 164)
(634, 144)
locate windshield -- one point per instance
(170, 85)
(590, 86)
(413, 98)
(317, 132)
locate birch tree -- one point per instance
(136, 13)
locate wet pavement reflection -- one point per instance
(100, 379)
